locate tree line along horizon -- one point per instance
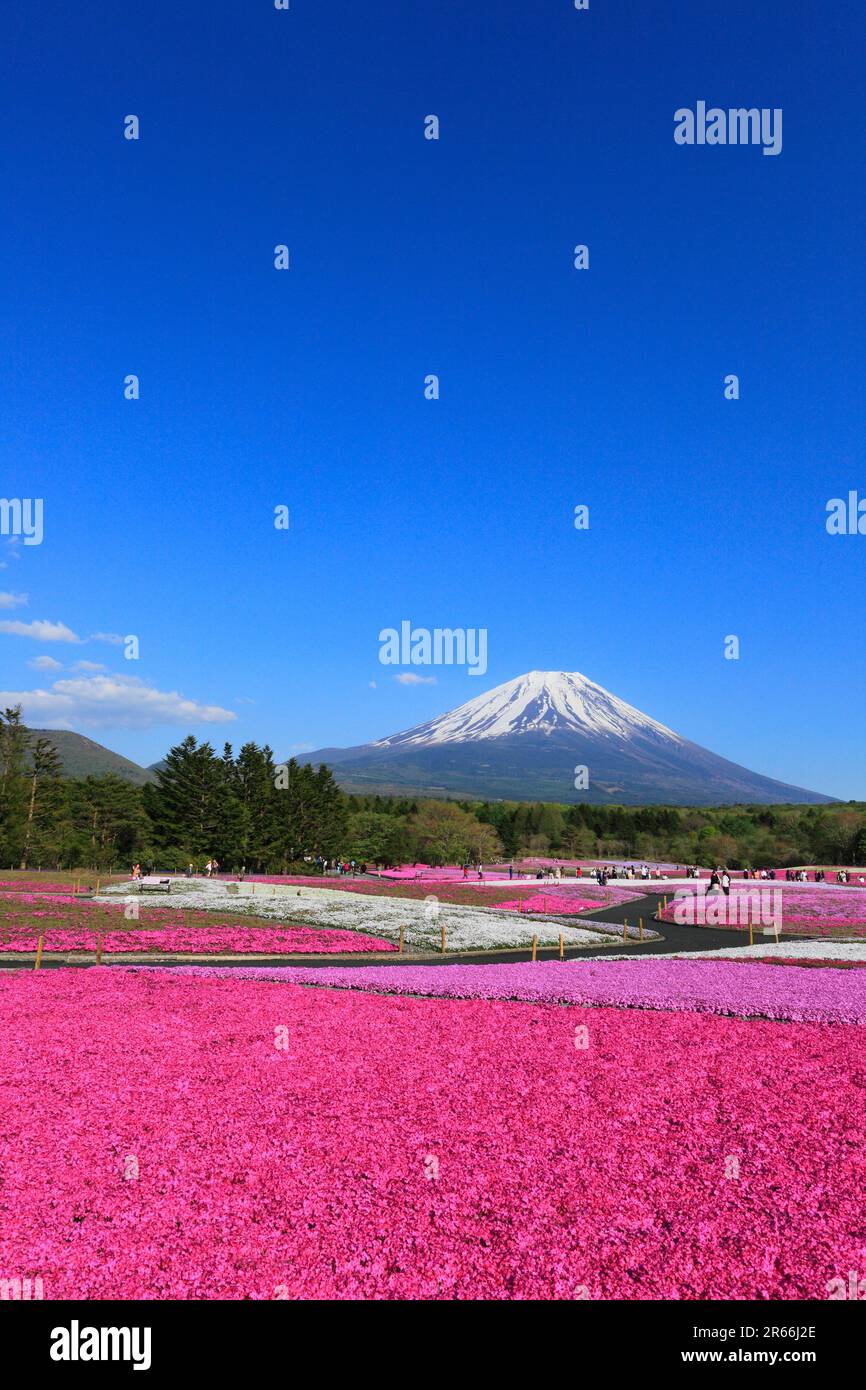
(249, 812)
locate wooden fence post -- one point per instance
(40, 943)
(535, 948)
(640, 927)
(625, 930)
(561, 946)
(99, 946)
(401, 941)
(443, 940)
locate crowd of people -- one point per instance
(721, 877)
(627, 871)
(348, 867)
(553, 873)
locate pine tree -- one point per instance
(45, 780)
(184, 803)
(230, 815)
(14, 744)
(107, 824)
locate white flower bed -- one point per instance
(466, 928)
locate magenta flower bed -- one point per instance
(206, 941)
(552, 904)
(156, 1143)
(445, 875)
(845, 906)
(21, 886)
(42, 898)
(717, 986)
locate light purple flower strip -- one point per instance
(720, 987)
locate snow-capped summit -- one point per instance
(527, 739)
(538, 702)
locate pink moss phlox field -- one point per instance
(203, 941)
(805, 962)
(719, 986)
(42, 898)
(807, 911)
(22, 886)
(424, 874)
(550, 903)
(156, 1143)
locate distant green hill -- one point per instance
(81, 757)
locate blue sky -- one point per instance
(409, 257)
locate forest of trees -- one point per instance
(248, 811)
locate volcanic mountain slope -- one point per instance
(524, 741)
(82, 757)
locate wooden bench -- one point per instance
(154, 885)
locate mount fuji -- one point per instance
(526, 739)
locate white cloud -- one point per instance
(8, 600)
(45, 663)
(44, 631)
(410, 678)
(121, 702)
(302, 747)
(87, 666)
(373, 685)
(41, 631)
